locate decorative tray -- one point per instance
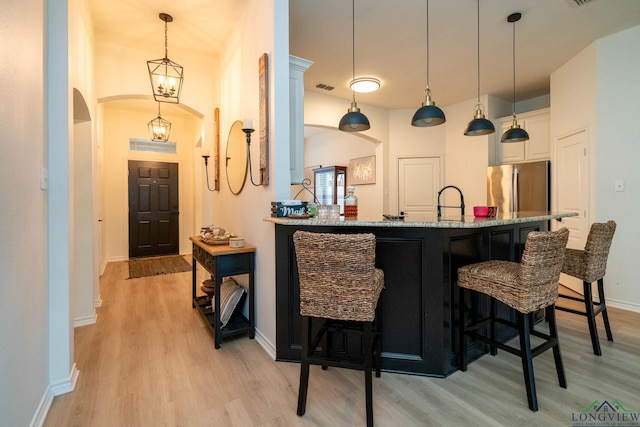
(224, 241)
(297, 216)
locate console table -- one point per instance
(221, 261)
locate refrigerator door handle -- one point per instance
(514, 190)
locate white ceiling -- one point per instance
(390, 40)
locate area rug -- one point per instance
(153, 266)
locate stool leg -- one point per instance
(493, 350)
(377, 337)
(527, 360)
(591, 318)
(326, 349)
(368, 362)
(304, 366)
(550, 313)
(462, 355)
(605, 316)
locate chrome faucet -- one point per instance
(461, 207)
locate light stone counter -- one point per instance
(442, 222)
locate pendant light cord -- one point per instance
(514, 69)
(166, 49)
(428, 49)
(478, 51)
(353, 47)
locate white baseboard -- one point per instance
(97, 302)
(67, 385)
(266, 344)
(43, 409)
(56, 389)
(623, 305)
(87, 320)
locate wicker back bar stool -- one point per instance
(589, 265)
(527, 287)
(339, 285)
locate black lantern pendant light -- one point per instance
(515, 132)
(428, 114)
(479, 125)
(354, 120)
(165, 75)
(159, 128)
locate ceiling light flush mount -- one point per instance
(165, 75)
(354, 120)
(515, 133)
(479, 125)
(159, 128)
(428, 114)
(364, 84)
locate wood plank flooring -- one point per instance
(150, 361)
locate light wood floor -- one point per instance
(149, 361)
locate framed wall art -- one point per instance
(362, 171)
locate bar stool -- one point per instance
(340, 285)
(527, 286)
(589, 265)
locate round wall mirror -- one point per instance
(236, 158)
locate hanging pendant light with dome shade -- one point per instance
(515, 133)
(354, 120)
(479, 125)
(428, 114)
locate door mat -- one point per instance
(157, 265)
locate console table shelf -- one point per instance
(238, 324)
(222, 261)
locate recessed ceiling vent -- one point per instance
(579, 3)
(324, 86)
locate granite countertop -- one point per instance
(442, 222)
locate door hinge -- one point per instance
(585, 151)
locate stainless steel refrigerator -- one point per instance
(519, 187)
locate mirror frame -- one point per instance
(236, 158)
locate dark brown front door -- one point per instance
(153, 208)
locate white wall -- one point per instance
(23, 265)
(597, 90)
(333, 147)
(339, 147)
(263, 29)
(616, 157)
(409, 141)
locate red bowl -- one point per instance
(481, 211)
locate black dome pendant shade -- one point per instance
(515, 133)
(479, 125)
(354, 120)
(428, 115)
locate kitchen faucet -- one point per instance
(461, 200)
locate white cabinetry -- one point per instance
(538, 147)
(297, 67)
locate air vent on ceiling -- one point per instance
(324, 86)
(579, 3)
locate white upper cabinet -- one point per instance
(536, 123)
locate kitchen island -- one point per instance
(420, 262)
